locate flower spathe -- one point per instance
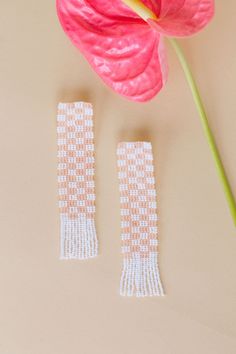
(126, 51)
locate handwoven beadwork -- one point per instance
(76, 180)
(140, 274)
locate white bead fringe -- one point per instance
(78, 238)
(140, 277)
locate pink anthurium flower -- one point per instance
(125, 50)
(123, 42)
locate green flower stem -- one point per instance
(207, 130)
(144, 12)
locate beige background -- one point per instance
(58, 307)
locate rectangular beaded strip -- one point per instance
(140, 274)
(76, 180)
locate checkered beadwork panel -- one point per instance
(76, 180)
(140, 275)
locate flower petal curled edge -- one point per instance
(124, 50)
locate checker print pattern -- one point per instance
(140, 275)
(76, 180)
